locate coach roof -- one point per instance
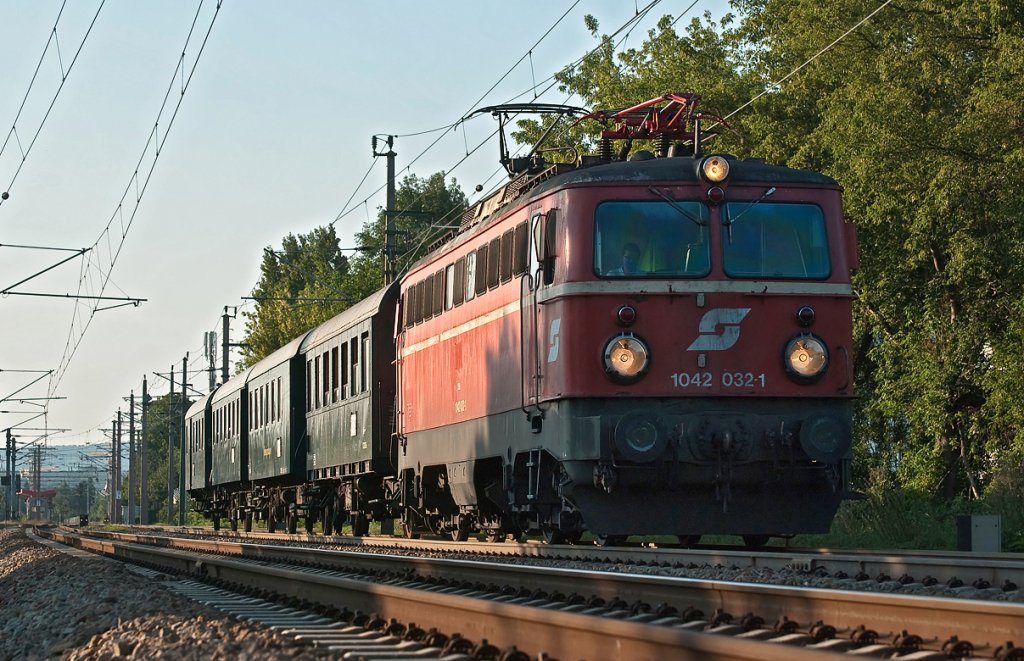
(364, 309)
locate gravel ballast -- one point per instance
(54, 606)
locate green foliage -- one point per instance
(312, 266)
(916, 113)
(300, 287)
(427, 209)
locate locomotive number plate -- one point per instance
(701, 379)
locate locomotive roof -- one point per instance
(364, 309)
(683, 169)
(200, 404)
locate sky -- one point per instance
(272, 136)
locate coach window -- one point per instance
(459, 287)
(334, 375)
(449, 287)
(481, 270)
(366, 361)
(343, 370)
(316, 380)
(769, 240)
(327, 378)
(309, 389)
(354, 353)
(661, 239)
(273, 402)
(493, 262)
(279, 414)
(506, 256)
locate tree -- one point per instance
(916, 113)
(300, 286)
(427, 209)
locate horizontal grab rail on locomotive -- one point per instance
(650, 343)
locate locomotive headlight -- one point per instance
(806, 358)
(626, 357)
(715, 168)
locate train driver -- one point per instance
(630, 261)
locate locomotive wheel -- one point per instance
(610, 540)
(247, 522)
(216, 522)
(755, 541)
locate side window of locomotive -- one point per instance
(774, 240)
(449, 287)
(520, 246)
(459, 282)
(470, 276)
(439, 292)
(493, 262)
(506, 256)
(481, 269)
(651, 239)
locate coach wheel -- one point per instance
(234, 523)
(553, 536)
(216, 522)
(327, 519)
(755, 541)
(247, 522)
(610, 540)
(689, 541)
(360, 524)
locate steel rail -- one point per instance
(995, 568)
(986, 624)
(534, 630)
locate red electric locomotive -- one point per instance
(656, 343)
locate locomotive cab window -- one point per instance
(651, 239)
(774, 240)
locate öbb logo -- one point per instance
(710, 339)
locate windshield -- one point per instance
(774, 240)
(637, 239)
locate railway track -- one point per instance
(586, 614)
(961, 573)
